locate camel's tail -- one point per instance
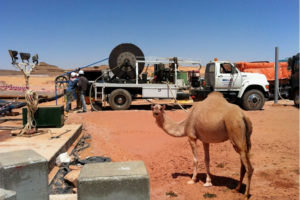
(248, 125)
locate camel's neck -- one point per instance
(170, 127)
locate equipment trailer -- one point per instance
(127, 61)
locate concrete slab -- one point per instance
(7, 194)
(43, 144)
(116, 180)
(63, 197)
(25, 172)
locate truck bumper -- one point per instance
(199, 94)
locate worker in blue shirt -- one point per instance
(72, 83)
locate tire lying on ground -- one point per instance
(120, 99)
(253, 100)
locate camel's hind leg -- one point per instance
(240, 138)
(249, 169)
(193, 143)
(242, 174)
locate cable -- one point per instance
(175, 99)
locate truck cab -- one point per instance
(247, 89)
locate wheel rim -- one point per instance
(61, 82)
(120, 100)
(254, 100)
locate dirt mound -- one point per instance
(42, 69)
(4, 72)
(45, 68)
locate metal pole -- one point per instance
(55, 94)
(276, 77)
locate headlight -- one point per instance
(267, 87)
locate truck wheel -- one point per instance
(119, 99)
(296, 98)
(253, 100)
(96, 106)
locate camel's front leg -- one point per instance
(206, 159)
(193, 144)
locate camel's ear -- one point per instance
(152, 107)
(163, 107)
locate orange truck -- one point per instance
(288, 75)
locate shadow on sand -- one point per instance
(216, 180)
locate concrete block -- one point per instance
(25, 172)
(63, 197)
(114, 180)
(7, 194)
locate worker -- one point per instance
(70, 90)
(75, 95)
(78, 102)
(82, 88)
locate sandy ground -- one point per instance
(35, 81)
(14, 86)
(133, 135)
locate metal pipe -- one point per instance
(136, 72)
(84, 66)
(55, 94)
(276, 77)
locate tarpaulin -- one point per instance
(266, 68)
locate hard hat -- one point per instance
(81, 72)
(73, 74)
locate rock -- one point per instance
(75, 190)
(72, 177)
(63, 158)
(74, 167)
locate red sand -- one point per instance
(133, 135)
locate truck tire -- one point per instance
(119, 99)
(296, 98)
(253, 100)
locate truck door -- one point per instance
(228, 77)
(210, 75)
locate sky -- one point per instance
(75, 33)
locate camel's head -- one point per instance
(158, 109)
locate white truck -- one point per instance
(246, 89)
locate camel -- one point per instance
(213, 120)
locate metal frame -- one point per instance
(169, 87)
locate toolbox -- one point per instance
(47, 116)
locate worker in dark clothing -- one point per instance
(82, 87)
(78, 102)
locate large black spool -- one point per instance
(122, 61)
